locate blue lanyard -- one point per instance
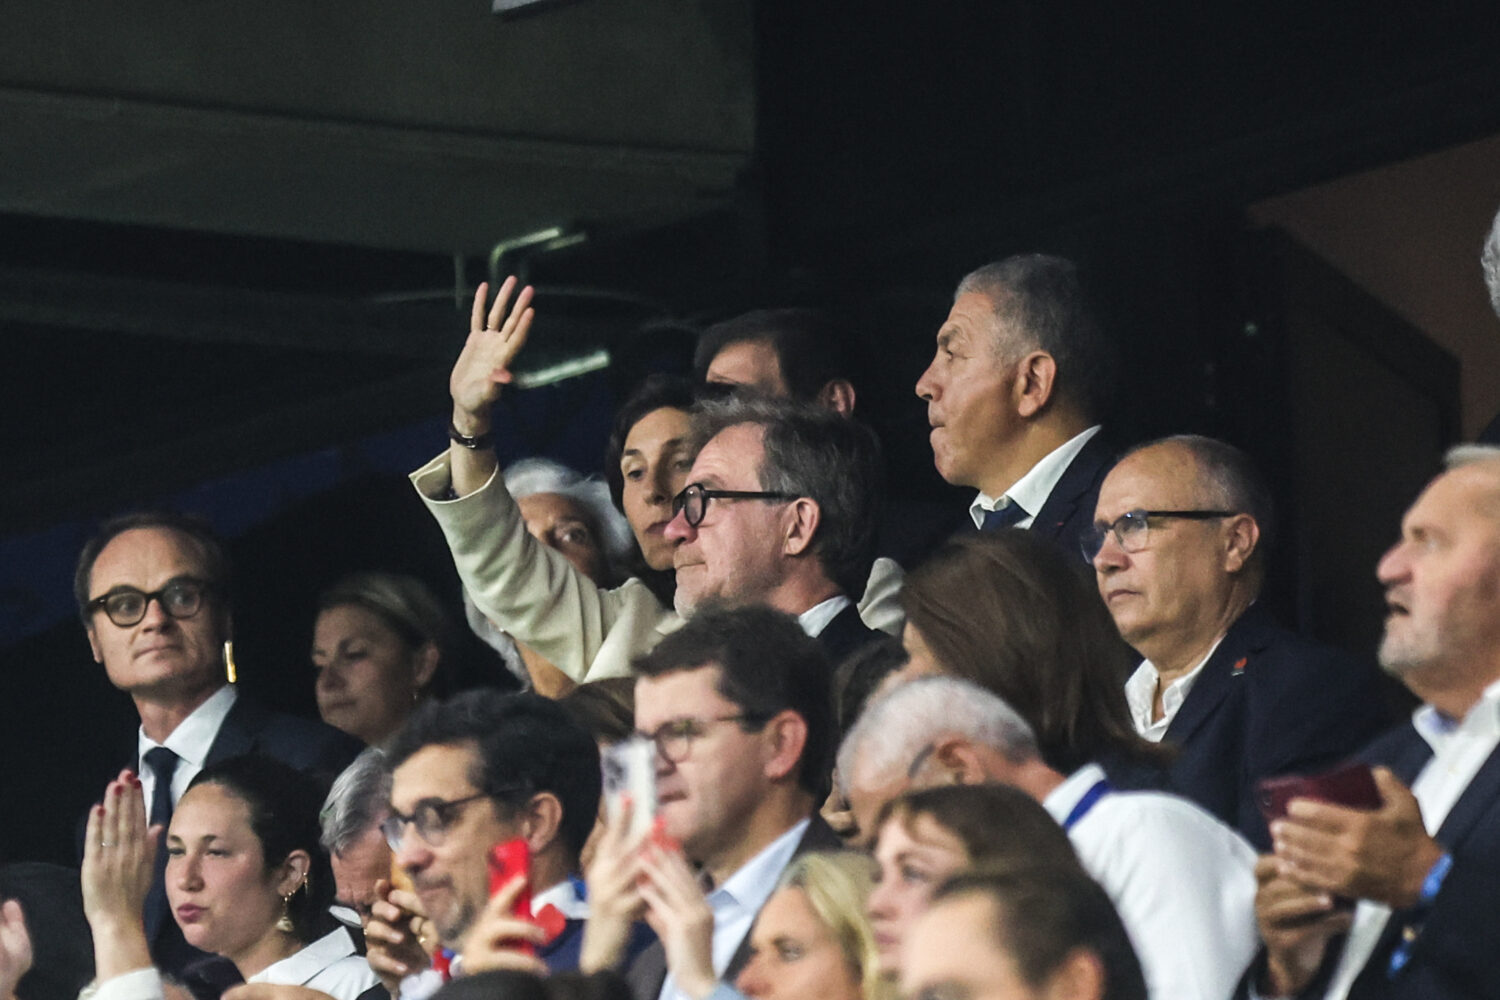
(1100, 788)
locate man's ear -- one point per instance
(802, 525)
(541, 821)
(837, 395)
(1079, 977)
(94, 642)
(957, 758)
(787, 735)
(1033, 384)
(1242, 535)
(425, 664)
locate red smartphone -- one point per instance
(1351, 785)
(507, 860)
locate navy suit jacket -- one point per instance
(310, 747)
(1453, 953)
(1269, 702)
(844, 634)
(1069, 510)
(649, 971)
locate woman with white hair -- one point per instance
(573, 514)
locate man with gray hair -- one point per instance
(357, 803)
(1179, 550)
(1181, 880)
(1425, 866)
(1015, 392)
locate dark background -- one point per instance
(237, 243)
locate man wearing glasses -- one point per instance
(1179, 548)
(475, 771)
(738, 702)
(153, 591)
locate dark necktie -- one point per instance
(163, 764)
(1003, 517)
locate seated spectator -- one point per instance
(1424, 867)
(738, 704)
(924, 837)
(570, 514)
(801, 355)
(1182, 880)
(812, 561)
(1007, 611)
(154, 591)
(813, 937)
(1179, 548)
(468, 774)
(350, 819)
(378, 644)
(246, 879)
(1032, 933)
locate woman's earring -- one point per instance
(284, 922)
(230, 670)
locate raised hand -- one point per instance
(1296, 924)
(15, 948)
(495, 939)
(394, 934)
(679, 914)
(118, 856)
(484, 364)
(614, 895)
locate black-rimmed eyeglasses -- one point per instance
(674, 739)
(1132, 528)
(126, 606)
(693, 501)
(431, 818)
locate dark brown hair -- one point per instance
(1000, 827)
(1007, 611)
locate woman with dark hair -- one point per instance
(925, 837)
(646, 462)
(1006, 611)
(246, 878)
(378, 646)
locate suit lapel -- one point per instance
(1220, 674)
(1086, 470)
(237, 733)
(818, 836)
(1478, 798)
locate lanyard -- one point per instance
(1099, 789)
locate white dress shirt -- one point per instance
(739, 899)
(1032, 490)
(1183, 883)
(816, 618)
(1140, 695)
(1459, 750)
(330, 965)
(190, 741)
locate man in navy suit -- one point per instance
(1424, 868)
(1014, 393)
(153, 591)
(1178, 546)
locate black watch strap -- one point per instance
(477, 441)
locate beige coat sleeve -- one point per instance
(532, 591)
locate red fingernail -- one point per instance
(99, 810)
(115, 788)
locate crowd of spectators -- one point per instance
(1068, 753)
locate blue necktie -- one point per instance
(1003, 517)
